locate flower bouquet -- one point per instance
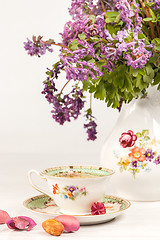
(110, 48)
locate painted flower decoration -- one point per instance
(134, 164)
(157, 160)
(98, 208)
(127, 139)
(71, 188)
(141, 155)
(21, 223)
(149, 154)
(125, 161)
(55, 189)
(70, 192)
(137, 154)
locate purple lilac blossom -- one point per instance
(157, 160)
(75, 67)
(64, 107)
(120, 105)
(126, 12)
(149, 155)
(91, 128)
(156, 5)
(33, 49)
(86, 26)
(80, 8)
(139, 56)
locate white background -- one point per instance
(26, 124)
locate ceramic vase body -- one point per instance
(133, 151)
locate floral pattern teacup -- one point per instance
(74, 188)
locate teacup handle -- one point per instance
(32, 171)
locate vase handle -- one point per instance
(29, 175)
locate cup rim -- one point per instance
(70, 167)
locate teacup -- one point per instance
(74, 188)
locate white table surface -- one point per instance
(140, 221)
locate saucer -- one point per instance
(46, 208)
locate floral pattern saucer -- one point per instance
(46, 207)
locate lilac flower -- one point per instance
(91, 128)
(77, 9)
(139, 56)
(80, 8)
(90, 50)
(157, 160)
(149, 155)
(120, 105)
(65, 106)
(76, 67)
(156, 5)
(126, 12)
(36, 49)
(86, 26)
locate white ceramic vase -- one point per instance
(133, 150)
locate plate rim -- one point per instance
(25, 202)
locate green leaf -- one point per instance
(112, 17)
(91, 60)
(157, 47)
(118, 76)
(85, 85)
(145, 132)
(156, 41)
(101, 63)
(135, 72)
(82, 36)
(113, 29)
(93, 18)
(118, 81)
(150, 71)
(100, 92)
(74, 44)
(147, 79)
(149, 4)
(141, 71)
(157, 79)
(94, 39)
(139, 82)
(110, 91)
(111, 14)
(92, 89)
(146, 138)
(154, 19)
(154, 59)
(147, 19)
(138, 134)
(89, 111)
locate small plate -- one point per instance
(46, 207)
